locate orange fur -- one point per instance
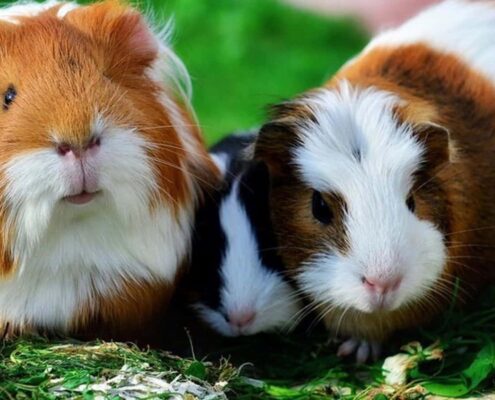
(96, 58)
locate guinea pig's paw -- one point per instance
(362, 348)
(7, 333)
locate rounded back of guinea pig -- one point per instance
(92, 114)
(237, 274)
(358, 205)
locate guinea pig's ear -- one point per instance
(273, 146)
(127, 40)
(429, 130)
(436, 139)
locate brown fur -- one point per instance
(451, 108)
(145, 304)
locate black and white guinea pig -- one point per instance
(236, 274)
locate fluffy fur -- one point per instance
(238, 285)
(247, 286)
(409, 121)
(97, 110)
(374, 174)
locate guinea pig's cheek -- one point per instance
(424, 257)
(330, 279)
(279, 307)
(125, 171)
(35, 182)
(37, 175)
(431, 257)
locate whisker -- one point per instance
(341, 319)
(183, 170)
(471, 230)
(468, 257)
(322, 314)
(433, 177)
(457, 246)
(303, 313)
(470, 268)
(153, 127)
(205, 156)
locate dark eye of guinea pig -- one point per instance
(410, 203)
(9, 97)
(321, 210)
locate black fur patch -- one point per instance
(209, 240)
(208, 249)
(254, 191)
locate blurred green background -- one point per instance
(246, 54)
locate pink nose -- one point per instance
(381, 285)
(66, 149)
(241, 319)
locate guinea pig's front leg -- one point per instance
(4, 331)
(9, 332)
(362, 348)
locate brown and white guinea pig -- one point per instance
(383, 180)
(101, 168)
(236, 275)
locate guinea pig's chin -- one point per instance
(420, 272)
(279, 315)
(330, 280)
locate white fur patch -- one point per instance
(65, 9)
(248, 285)
(358, 150)
(12, 13)
(464, 28)
(69, 253)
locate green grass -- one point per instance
(245, 54)
(35, 368)
(453, 357)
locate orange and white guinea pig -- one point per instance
(101, 169)
(383, 180)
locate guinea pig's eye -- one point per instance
(411, 203)
(9, 97)
(321, 210)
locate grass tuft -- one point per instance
(453, 357)
(37, 368)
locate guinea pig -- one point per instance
(383, 180)
(101, 169)
(236, 273)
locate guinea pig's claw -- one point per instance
(348, 347)
(363, 352)
(362, 348)
(376, 350)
